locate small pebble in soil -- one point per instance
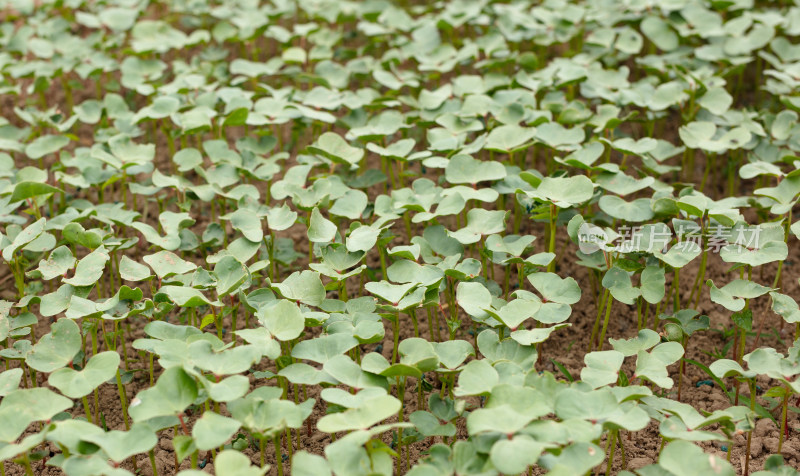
(202, 464)
(723, 448)
(284, 457)
(379, 348)
(704, 382)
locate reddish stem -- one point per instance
(183, 424)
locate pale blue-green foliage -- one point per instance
(251, 221)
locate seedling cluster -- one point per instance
(464, 237)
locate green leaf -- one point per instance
(362, 239)
(535, 336)
(183, 446)
(237, 117)
(183, 296)
(477, 378)
(74, 384)
(733, 294)
(516, 312)
(371, 412)
(56, 348)
(679, 255)
(653, 365)
(212, 430)
(716, 100)
(120, 445)
(248, 223)
(724, 368)
(473, 297)
(307, 464)
(283, 320)
(508, 137)
(743, 319)
(453, 353)
(514, 455)
(555, 289)
(332, 146)
(230, 274)
(429, 425)
(501, 419)
(577, 458)
(19, 408)
(323, 348)
(629, 41)
(281, 218)
(559, 137)
(768, 252)
(131, 270)
(464, 169)
(75, 233)
(418, 353)
(644, 340)
(29, 234)
(653, 282)
(392, 293)
(786, 307)
(167, 263)
(173, 392)
(682, 457)
(45, 145)
(58, 263)
(602, 368)
(26, 190)
(506, 350)
(187, 159)
(9, 381)
(619, 283)
(305, 286)
(480, 222)
(564, 192)
(234, 463)
(320, 229)
(636, 211)
(659, 32)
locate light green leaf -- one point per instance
(320, 229)
(56, 348)
(98, 370)
(212, 430)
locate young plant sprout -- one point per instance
(386, 238)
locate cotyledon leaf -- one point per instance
(76, 384)
(57, 348)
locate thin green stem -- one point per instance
(123, 401)
(552, 246)
(612, 444)
(602, 340)
(276, 440)
(785, 406)
(596, 326)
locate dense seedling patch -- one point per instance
(374, 238)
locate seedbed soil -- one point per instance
(382, 238)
